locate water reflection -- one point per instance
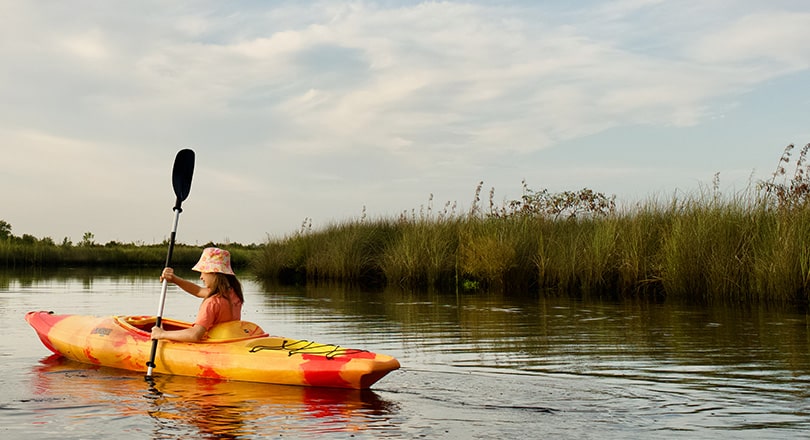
(182, 407)
(689, 367)
(552, 334)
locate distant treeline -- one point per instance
(26, 251)
(749, 247)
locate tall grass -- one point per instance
(727, 251)
(347, 252)
(420, 253)
(751, 246)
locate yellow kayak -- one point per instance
(237, 350)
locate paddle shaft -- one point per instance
(181, 182)
(163, 288)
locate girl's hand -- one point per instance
(157, 332)
(168, 275)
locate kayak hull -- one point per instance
(239, 350)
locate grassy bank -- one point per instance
(726, 251)
(749, 247)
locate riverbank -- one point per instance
(741, 250)
(746, 248)
(723, 250)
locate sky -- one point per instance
(322, 112)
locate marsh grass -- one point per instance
(347, 252)
(420, 253)
(747, 247)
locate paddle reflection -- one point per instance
(204, 408)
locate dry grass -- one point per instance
(751, 246)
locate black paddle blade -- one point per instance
(182, 172)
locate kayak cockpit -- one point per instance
(226, 331)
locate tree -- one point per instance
(5, 229)
(88, 239)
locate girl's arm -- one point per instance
(190, 287)
(191, 334)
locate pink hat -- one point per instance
(214, 260)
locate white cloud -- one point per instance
(365, 95)
(775, 42)
(89, 45)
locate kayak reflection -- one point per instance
(207, 408)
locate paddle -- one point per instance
(181, 182)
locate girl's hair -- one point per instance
(223, 283)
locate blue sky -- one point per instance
(315, 110)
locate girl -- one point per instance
(222, 295)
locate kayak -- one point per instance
(236, 350)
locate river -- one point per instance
(474, 366)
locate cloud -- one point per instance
(366, 99)
(89, 45)
(486, 79)
(773, 40)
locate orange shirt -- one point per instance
(216, 309)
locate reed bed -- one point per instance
(724, 252)
(749, 247)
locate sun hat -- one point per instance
(214, 260)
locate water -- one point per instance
(474, 366)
